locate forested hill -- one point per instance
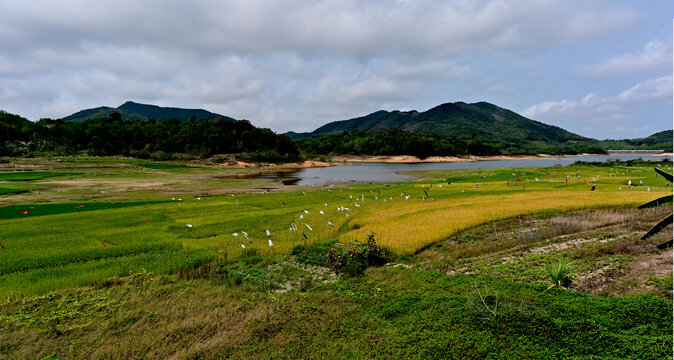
(161, 140)
(131, 111)
(458, 120)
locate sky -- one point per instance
(601, 69)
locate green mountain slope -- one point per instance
(660, 138)
(132, 111)
(166, 113)
(102, 111)
(659, 141)
(459, 120)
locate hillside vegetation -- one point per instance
(460, 120)
(455, 129)
(162, 140)
(132, 111)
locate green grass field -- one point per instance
(51, 246)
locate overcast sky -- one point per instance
(601, 69)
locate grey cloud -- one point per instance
(348, 28)
(286, 65)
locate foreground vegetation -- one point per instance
(391, 312)
(469, 279)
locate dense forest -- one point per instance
(161, 140)
(394, 141)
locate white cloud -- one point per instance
(655, 56)
(613, 116)
(649, 90)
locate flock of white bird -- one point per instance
(293, 226)
(346, 210)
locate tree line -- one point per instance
(166, 139)
(394, 141)
(159, 140)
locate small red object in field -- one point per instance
(113, 203)
(148, 203)
(148, 221)
(25, 212)
(102, 243)
(1, 245)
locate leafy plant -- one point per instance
(353, 258)
(314, 254)
(664, 222)
(561, 274)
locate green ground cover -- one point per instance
(32, 175)
(392, 312)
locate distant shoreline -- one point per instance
(342, 160)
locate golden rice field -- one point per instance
(408, 227)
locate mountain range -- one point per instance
(459, 120)
(132, 111)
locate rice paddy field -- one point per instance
(91, 248)
(166, 217)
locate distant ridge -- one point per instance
(132, 111)
(459, 120)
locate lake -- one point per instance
(390, 172)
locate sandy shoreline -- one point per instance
(408, 159)
(400, 159)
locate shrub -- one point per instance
(353, 258)
(314, 254)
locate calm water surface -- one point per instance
(388, 172)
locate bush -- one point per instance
(314, 254)
(352, 259)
